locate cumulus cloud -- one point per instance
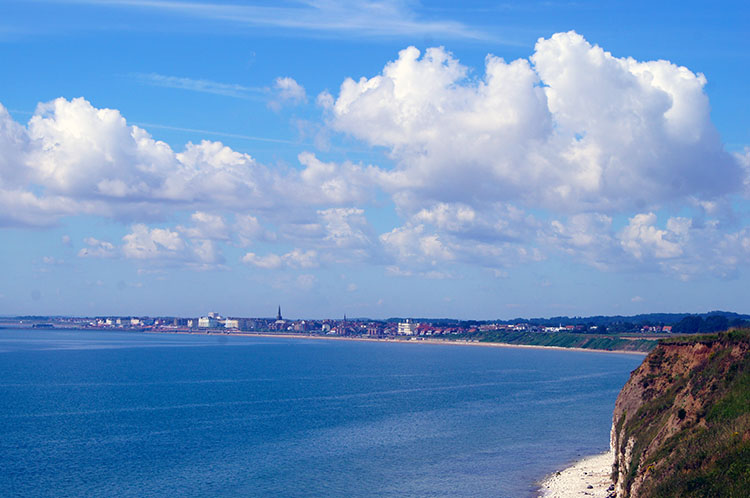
(73, 158)
(167, 247)
(572, 128)
(346, 227)
(676, 246)
(332, 183)
(340, 235)
(573, 131)
(641, 237)
(413, 244)
(287, 91)
(270, 261)
(206, 226)
(295, 259)
(156, 243)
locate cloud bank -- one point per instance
(571, 129)
(606, 160)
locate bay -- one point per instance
(100, 413)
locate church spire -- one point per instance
(278, 315)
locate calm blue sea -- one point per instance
(85, 413)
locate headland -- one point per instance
(680, 427)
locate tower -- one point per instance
(278, 315)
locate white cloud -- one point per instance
(331, 183)
(270, 261)
(679, 246)
(572, 132)
(295, 259)
(612, 161)
(641, 237)
(97, 249)
(346, 227)
(396, 271)
(156, 243)
(586, 236)
(206, 226)
(23, 208)
(14, 142)
(301, 259)
(73, 158)
(493, 236)
(411, 244)
(574, 129)
(207, 253)
(287, 91)
(248, 230)
(86, 152)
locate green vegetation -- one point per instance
(728, 337)
(564, 340)
(692, 431)
(713, 322)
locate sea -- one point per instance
(103, 413)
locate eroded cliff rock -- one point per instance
(681, 424)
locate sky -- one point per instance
(389, 158)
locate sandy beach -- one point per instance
(396, 340)
(589, 477)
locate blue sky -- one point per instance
(373, 158)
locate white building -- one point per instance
(406, 328)
(206, 322)
(231, 323)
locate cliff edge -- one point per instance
(681, 424)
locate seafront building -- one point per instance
(406, 327)
(208, 322)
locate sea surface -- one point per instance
(94, 413)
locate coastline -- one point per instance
(400, 341)
(589, 477)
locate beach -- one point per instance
(589, 477)
(394, 340)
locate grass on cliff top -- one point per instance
(566, 340)
(728, 337)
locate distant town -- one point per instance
(647, 325)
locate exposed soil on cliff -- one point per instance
(681, 425)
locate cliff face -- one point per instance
(681, 425)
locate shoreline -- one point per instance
(588, 477)
(400, 341)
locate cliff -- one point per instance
(681, 425)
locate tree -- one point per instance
(691, 324)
